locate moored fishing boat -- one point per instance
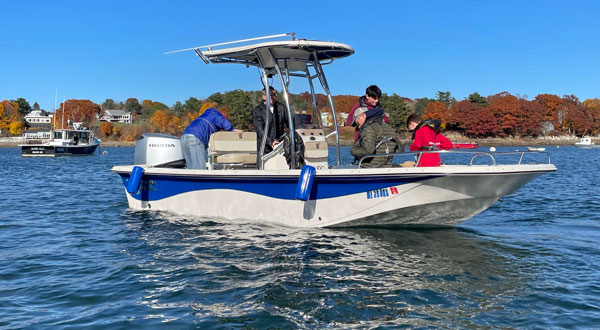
(586, 142)
(317, 193)
(63, 142)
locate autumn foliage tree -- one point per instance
(592, 106)
(343, 104)
(436, 110)
(83, 111)
(578, 119)
(106, 128)
(166, 122)
(10, 117)
(552, 105)
(475, 120)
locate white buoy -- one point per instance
(492, 149)
(105, 152)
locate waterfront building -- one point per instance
(39, 119)
(118, 116)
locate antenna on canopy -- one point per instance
(55, 97)
(62, 121)
(209, 47)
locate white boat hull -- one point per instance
(441, 196)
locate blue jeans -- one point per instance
(194, 152)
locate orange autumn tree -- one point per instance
(552, 105)
(16, 127)
(83, 111)
(578, 119)
(159, 121)
(437, 110)
(343, 104)
(476, 120)
(593, 107)
(591, 103)
(106, 128)
(507, 111)
(9, 117)
(165, 122)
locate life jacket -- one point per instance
(435, 124)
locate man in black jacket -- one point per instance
(278, 120)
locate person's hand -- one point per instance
(274, 143)
(239, 132)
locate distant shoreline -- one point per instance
(545, 141)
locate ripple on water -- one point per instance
(73, 255)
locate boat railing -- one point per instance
(473, 158)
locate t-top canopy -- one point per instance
(296, 52)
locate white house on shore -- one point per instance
(39, 118)
(116, 116)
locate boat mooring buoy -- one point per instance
(492, 149)
(105, 152)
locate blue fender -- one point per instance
(133, 185)
(305, 182)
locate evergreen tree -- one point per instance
(420, 105)
(109, 104)
(240, 105)
(396, 109)
(445, 98)
(24, 107)
(192, 105)
(478, 99)
(178, 108)
(216, 97)
(133, 105)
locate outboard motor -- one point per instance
(158, 150)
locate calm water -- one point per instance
(73, 256)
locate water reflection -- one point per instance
(225, 272)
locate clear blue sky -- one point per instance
(114, 49)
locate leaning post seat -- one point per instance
(228, 150)
(316, 150)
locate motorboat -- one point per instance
(62, 142)
(586, 142)
(536, 148)
(465, 145)
(316, 189)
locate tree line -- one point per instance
(499, 115)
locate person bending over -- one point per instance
(195, 137)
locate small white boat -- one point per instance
(586, 142)
(63, 142)
(536, 149)
(319, 193)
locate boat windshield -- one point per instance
(84, 136)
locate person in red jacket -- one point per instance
(426, 137)
(369, 100)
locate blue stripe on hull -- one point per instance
(156, 187)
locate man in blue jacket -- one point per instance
(195, 137)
